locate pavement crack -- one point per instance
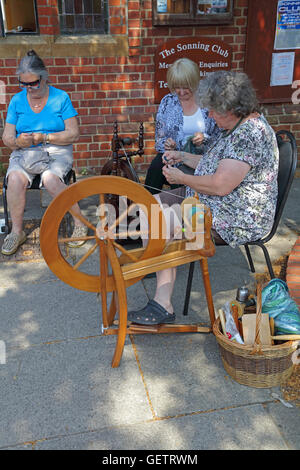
(143, 377)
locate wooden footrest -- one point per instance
(133, 328)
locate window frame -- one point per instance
(4, 33)
(191, 18)
(85, 32)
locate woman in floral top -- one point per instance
(236, 178)
(178, 118)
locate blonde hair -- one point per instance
(183, 73)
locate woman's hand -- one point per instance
(38, 138)
(170, 144)
(198, 138)
(173, 175)
(24, 140)
(172, 157)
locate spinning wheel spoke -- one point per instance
(82, 219)
(125, 252)
(122, 216)
(85, 256)
(68, 239)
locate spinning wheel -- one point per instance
(119, 267)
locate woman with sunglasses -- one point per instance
(40, 128)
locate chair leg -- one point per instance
(250, 261)
(5, 208)
(268, 261)
(267, 258)
(188, 288)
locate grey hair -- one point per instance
(225, 91)
(32, 63)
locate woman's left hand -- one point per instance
(172, 174)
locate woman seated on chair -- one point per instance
(180, 122)
(236, 178)
(40, 128)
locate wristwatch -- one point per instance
(47, 139)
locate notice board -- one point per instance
(209, 53)
(263, 58)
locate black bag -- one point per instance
(186, 169)
(189, 147)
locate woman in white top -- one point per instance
(180, 118)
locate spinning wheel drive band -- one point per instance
(61, 205)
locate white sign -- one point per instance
(282, 69)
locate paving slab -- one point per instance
(68, 387)
(187, 375)
(242, 428)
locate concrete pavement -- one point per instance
(58, 390)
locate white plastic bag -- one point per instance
(230, 327)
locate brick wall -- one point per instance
(105, 87)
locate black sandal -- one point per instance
(152, 314)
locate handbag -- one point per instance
(34, 161)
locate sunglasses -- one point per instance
(36, 84)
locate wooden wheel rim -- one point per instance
(74, 193)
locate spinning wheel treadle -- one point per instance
(119, 267)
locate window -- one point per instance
(189, 12)
(75, 17)
(83, 16)
(18, 17)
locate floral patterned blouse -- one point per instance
(169, 123)
(247, 213)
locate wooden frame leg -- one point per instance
(112, 310)
(121, 303)
(207, 287)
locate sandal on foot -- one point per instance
(12, 242)
(78, 232)
(152, 314)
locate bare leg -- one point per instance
(165, 279)
(16, 199)
(54, 186)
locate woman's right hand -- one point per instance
(170, 144)
(172, 157)
(24, 140)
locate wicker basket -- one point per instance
(256, 366)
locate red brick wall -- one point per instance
(105, 89)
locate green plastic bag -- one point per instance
(276, 301)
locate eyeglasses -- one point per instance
(36, 84)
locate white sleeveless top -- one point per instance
(192, 124)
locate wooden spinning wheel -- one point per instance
(119, 267)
